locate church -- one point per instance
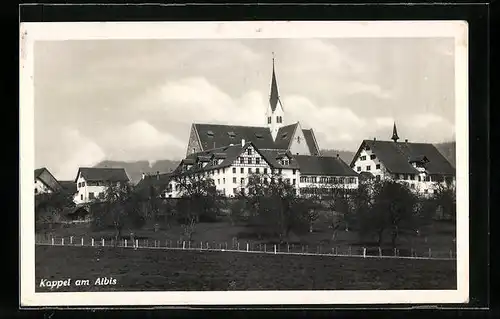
(274, 135)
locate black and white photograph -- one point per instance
(244, 163)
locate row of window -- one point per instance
(330, 180)
(372, 157)
(368, 167)
(250, 160)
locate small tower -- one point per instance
(395, 136)
(275, 113)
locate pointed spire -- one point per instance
(395, 136)
(274, 97)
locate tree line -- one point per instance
(272, 207)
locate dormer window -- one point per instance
(231, 134)
(210, 134)
(284, 135)
(285, 162)
(249, 151)
(258, 135)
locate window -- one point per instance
(372, 156)
(234, 180)
(81, 196)
(277, 119)
(335, 180)
(234, 170)
(293, 181)
(268, 120)
(218, 181)
(377, 166)
(314, 179)
(412, 177)
(293, 171)
(362, 158)
(368, 167)
(257, 170)
(419, 178)
(427, 178)
(302, 179)
(285, 162)
(279, 171)
(249, 170)
(217, 171)
(242, 181)
(265, 170)
(298, 139)
(224, 171)
(249, 151)
(257, 160)
(377, 178)
(242, 170)
(242, 160)
(249, 160)
(359, 168)
(412, 186)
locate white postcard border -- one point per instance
(31, 32)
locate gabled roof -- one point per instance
(284, 136)
(323, 165)
(44, 176)
(103, 174)
(273, 157)
(213, 136)
(274, 97)
(396, 157)
(158, 181)
(68, 186)
(311, 141)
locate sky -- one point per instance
(131, 100)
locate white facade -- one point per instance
(41, 188)
(421, 183)
(298, 144)
(275, 120)
(87, 191)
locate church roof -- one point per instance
(273, 158)
(397, 157)
(311, 141)
(274, 97)
(323, 165)
(284, 136)
(218, 135)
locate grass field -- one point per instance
(170, 270)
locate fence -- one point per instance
(250, 247)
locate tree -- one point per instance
(394, 208)
(199, 200)
(50, 207)
(444, 198)
(274, 204)
(118, 208)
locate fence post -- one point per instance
(52, 241)
(288, 247)
(201, 245)
(265, 248)
(451, 254)
(238, 245)
(247, 246)
(71, 240)
(350, 251)
(380, 252)
(147, 243)
(364, 252)
(125, 243)
(307, 248)
(333, 251)
(82, 241)
(62, 241)
(430, 252)
(275, 249)
(93, 242)
(189, 244)
(226, 245)
(395, 252)
(183, 245)
(103, 242)
(302, 248)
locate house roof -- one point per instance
(284, 136)
(396, 157)
(103, 174)
(68, 186)
(213, 136)
(46, 177)
(154, 180)
(311, 141)
(273, 158)
(323, 165)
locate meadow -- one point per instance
(183, 270)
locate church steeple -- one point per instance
(275, 112)
(395, 136)
(274, 97)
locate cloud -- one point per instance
(141, 141)
(72, 151)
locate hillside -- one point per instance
(135, 169)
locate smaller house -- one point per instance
(154, 185)
(69, 187)
(45, 182)
(92, 182)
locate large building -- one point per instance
(230, 154)
(274, 135)
(419, 165)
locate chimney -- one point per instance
(242, 142)
(374, 138)
(143, 175)
(406, 140)
(158, 175)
